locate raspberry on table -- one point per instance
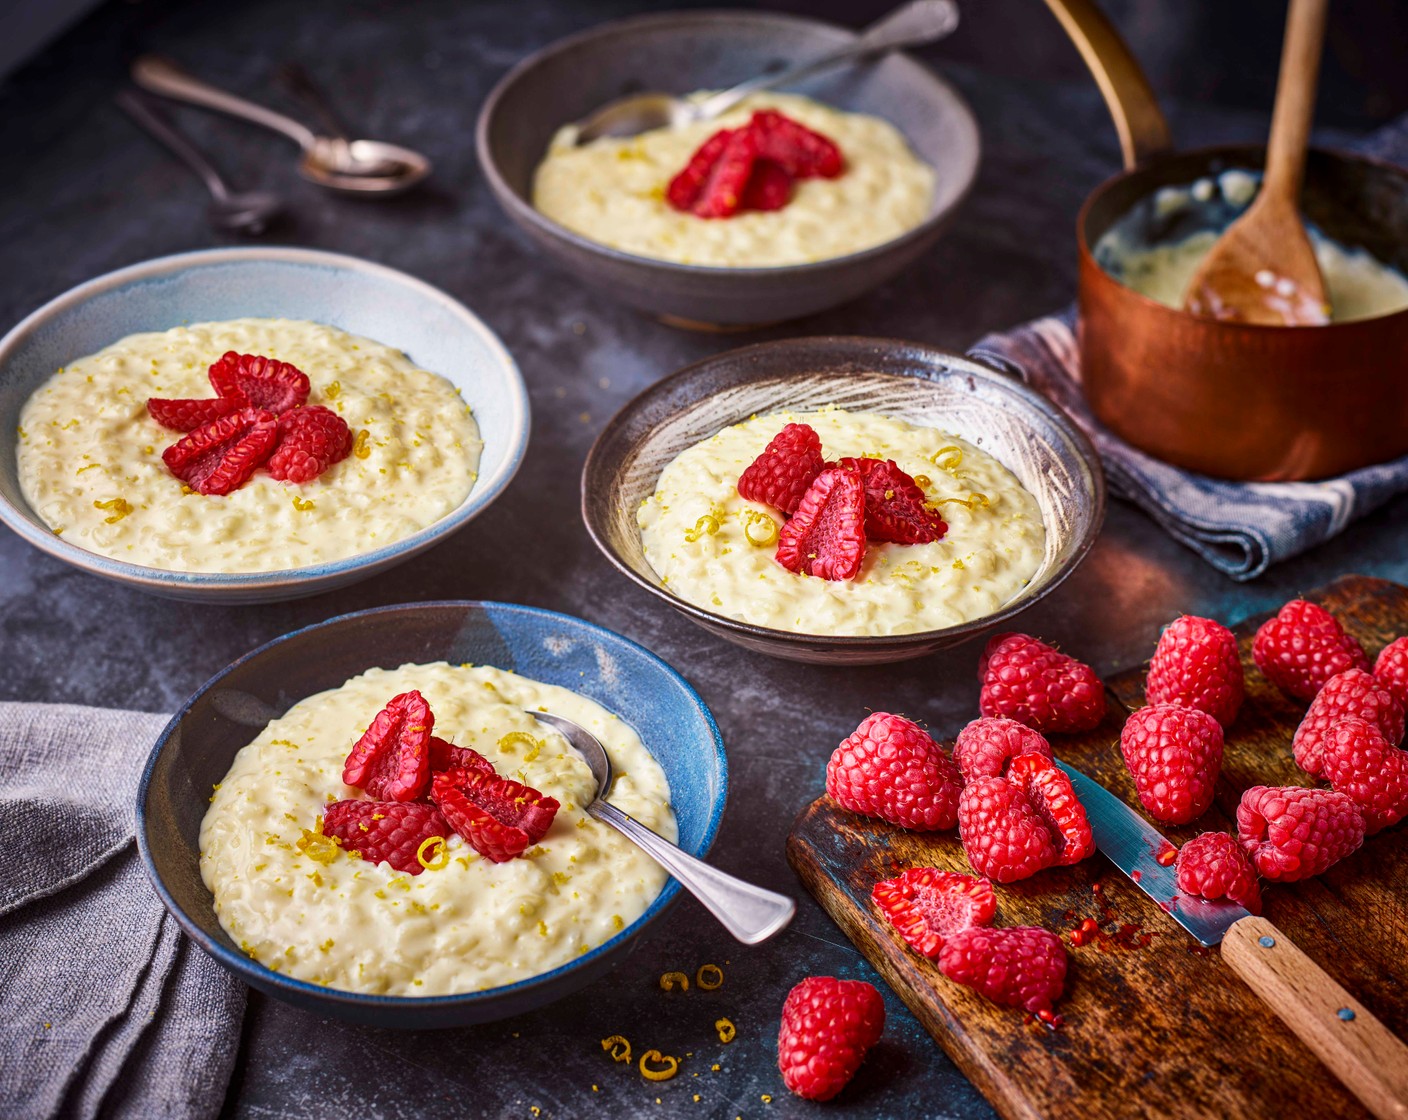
(311, 439)
(827, 1027)
(263, 382)
(1213, 865)
(385, 830)
(890, 768)
(188, 415)
(1020, 966)
(894, 504)
(1351, 693)
(391, 761)
(1391, 669)
(219, 457)
(1303, 647)
(927, 905)
(1004, 836)
(987, 744)
(1029, 681)
(1197, 665)
(826, 536)
(781, 476)
(498, 817)
(1292, 833)
(1360, 762)
(1175, 756)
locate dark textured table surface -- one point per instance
(91, 194)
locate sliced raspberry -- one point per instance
(804, 154)
(497, 816)
(1175, 756)
(385, 830)
(391, 761)
(1361, 763)
(769, 187)
(721, 195)
(1049, 790)
(890, 768)
(265, 383)
(188, 415)
(1292, 833)
(827, 1027)
(928, 906)
(894, 504)
(686, 187)
(1351, 693)
(1003, 834)
(781, 476)
(1213, 866)
(1197, 665)
(985, 747)
(220, 456)
(1303, 647)
(1391, 669)
(446, 756)
(826, 536)
(311, 439)
(1029, 681)
(1021, 966)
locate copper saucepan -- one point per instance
(1229, 400)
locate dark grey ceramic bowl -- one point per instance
(1017, 426)
(678, 52)
(198, 745)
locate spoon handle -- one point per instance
(137, 108)
(160, 75)
(1295, 97)
(750, 913)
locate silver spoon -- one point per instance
(750, 913)
(300, 83)
(367, 168)
(231, 211)
(913, 24)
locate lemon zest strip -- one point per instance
(709, 977)
(670, 1066)
(727, 1031)
(670, 979)
(436, 862)
(619, 1048)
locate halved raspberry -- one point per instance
(894, 504)
(928, 906)
(826, 536)
(188, 415)
(220, 456)
(497, 816)
(769, 187)
(781, 476)
(721, 196)
(686, 187)
(385, 830)
(446, 756)
(311, 439)
(391, 761)
(804, 154)
(1049, 790)
(265, 383)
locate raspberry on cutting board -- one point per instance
(1021, 966)
(1353, 693)
(1303, 647)
(1292, 833)
(1029, 681)
(928, 905)
(1197, 665)
(1175, 756)
(985, 746)
(1361, 763)
(827, 1027)
(891, 768)
(1213, 865)
(1391, 669)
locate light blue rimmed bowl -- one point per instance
(434, 330)
(197, 747)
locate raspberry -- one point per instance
(220, 457)
(686, 187)
(721, 195)
(984, 748)
(1292, 833)
(781, 476)
(311, 439)
(188, 415)
(1303, 647)
(1049, 791)
(1022, 966)
(1361, 763)
(385, 830)
(769, 187)
(1029, 681)
(826, 536)
(1351, 693)
(1175, 755)
(263, 382)
(1212, 865)
(928, 906)
(1391, 669)
(391, 761)
(1197, 665)
(827, 1027)
(804, 154)
(447, 756)
(497, 816)
(890, 768)
(894, 504)
(1004, 836)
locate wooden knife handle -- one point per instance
(1357, 1048)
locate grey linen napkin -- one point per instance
(105, 1008)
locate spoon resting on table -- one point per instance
(1263, 270)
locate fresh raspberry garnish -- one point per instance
(781, 476)
(984, 748)
(894, 504)
(686, 187)
(311, 439)
(1197, 665)
(1351, 693)
(721, 195)
(827, 1027)
(769, 187)
(1361, 763)
(1004, 836)
(391, 761)
(446, 756)
(1049, 790)
(803, 154)
(1212, 865)
(1029, 681)
(928, 906)
(1021, 966)
(188, 415)
(1175, 755)
(220, 456)
(385, 830)
(1303, 647)
(826, 536)
(265, 383)
(1292, 833)
(890, 768)
(1391, 669)
(497, 816)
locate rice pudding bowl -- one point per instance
(90, 455)
(613, 191)
(713, 548)
(464, 924)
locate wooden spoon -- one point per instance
(1263, 269)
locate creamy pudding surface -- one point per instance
(612, 190)
(90, 465)
(989, 553)
(470, 924)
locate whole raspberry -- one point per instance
(1361, 763)
(826, 536)
(927, 905)
(890, 768)
(1351, 693)
(1292, 833)
(1029, 681)
(1212, 865)
(1175, 755)
(311, 439)
(263, 382)
(385, 830)
(498, 817)
(781, 476)
(1003, 834)
(219, 457)
(1022, 966)
(827, 1027)
(1391, 669)
(391, 761)
(1197, 665)
(894, 504)
(1303, 647)
(1050, 793)
(985, 747)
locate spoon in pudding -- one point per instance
(1263, 270)
(752, 914)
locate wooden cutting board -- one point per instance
(1154, 1025)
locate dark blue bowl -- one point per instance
(199, 744)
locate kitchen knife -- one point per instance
(1370, 1060)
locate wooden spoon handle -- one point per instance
(1295, 97)
(1357, 1048)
